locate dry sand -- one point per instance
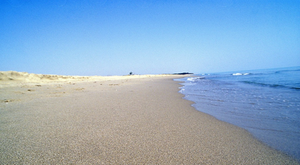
(115, 120)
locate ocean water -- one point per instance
(264, 102)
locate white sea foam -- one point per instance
(194, 78)
(237, 74)
(240, 74)
(181, 90)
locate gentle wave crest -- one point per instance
(270, 85)
(240, 74)
(195, 78)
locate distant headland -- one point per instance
(182, 73)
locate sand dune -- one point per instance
(24, 76)
(14, 78)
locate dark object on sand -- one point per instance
(182, 73)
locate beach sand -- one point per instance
(115, 120)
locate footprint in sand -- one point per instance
(6, 101)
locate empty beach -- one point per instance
(139, 119)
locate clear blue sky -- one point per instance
(115, 37)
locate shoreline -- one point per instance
(121, 120)
(250, 107)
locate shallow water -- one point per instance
(264, 102)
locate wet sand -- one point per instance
(117, 120)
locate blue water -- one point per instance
(264, 102)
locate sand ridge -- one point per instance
(14, 78)
(141, 120)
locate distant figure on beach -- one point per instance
(130, 73)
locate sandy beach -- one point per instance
(140, 119)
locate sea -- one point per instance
(265, 102)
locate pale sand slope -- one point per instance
(118, 121)
(13, 78)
